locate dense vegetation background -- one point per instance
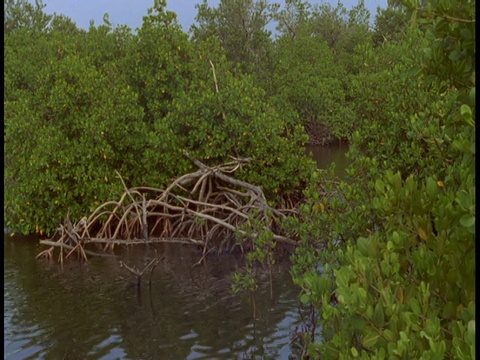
(386, 256)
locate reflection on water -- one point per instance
(94, 311)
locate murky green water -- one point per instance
(334, 153)
(95, 311)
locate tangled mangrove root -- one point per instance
(207, 208)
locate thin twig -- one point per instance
(214, 76)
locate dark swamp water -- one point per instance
(94, 311)
(326, 155)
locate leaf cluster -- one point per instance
(387, 256)
(83, 105)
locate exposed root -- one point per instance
(206, 208)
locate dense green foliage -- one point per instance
(313, 60)
(307, 79)
(386, 255)
(81, 106)
(68, 125)
(237, 121)
(394, 274)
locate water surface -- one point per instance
(94, 311)
(326, 155)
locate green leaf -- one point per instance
(432, 326)
(378, 315)
(461, 145)
(390, 246)
(463, 199)
(370, 339)
(343, 276)
(305, 298)
(354, 352)
(455, 55)
(358, 323)
(379, 186)
(465, 110)
(414, 70)
(415, 306)
(396, 238)
(388, 334)
(467, 220)
(471, 326)
(466, 33)
(471, 332)
(363, 245)
(447, 310)
(410, 184)
(432, 188)
(471, 95)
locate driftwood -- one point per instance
(206, 208)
